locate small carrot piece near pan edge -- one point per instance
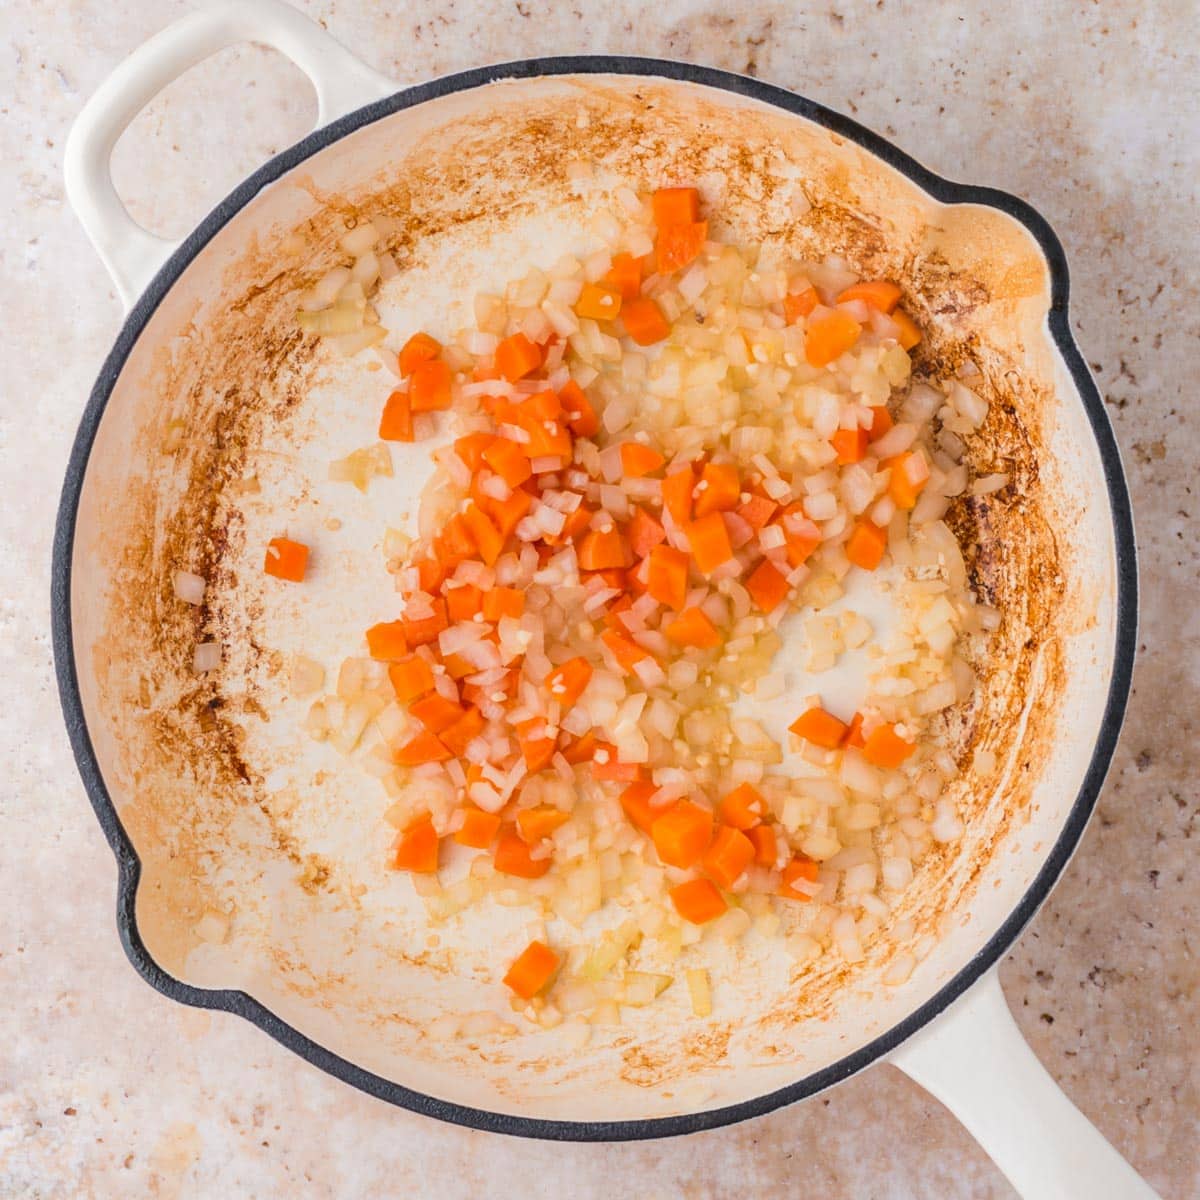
(411, 678)
(286, 560)
(635, 802)
(763, 839)
(507, 459)
(512, 857)
(679, 244)
(487, 537)
(910, 474)
(697, 901)
(854, 733)
(470, 448)
(436, 712)
(478, 829)
(426, 629)
(886, 748)
(463, 602)
(429, 387)
(417, 849)
(396, 423)
(625, 275)
(819, 727)
(828, 337)
(851, 445)
(798, 868)
(881, 421)
(799, 304)
(426, 747)
(866, 544)
(675, 205)
(418, 349)
(598, 302)
(730, 853)
(465, 730)
(879, 294)
(386, 641)
(910, 331)
(767, 587)
(532, 970)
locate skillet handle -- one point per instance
(975, 1061)
(131, 253)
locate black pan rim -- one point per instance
(1124, 644)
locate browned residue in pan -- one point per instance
(245, 369)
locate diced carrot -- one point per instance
(478, 829)
(675, 206)
(854, 733)
(580, 750)
(801, 535)
(458, 667)
(885, 748)
(767, 587)
(693, 628)
(430, 574)
(850, 444)
(681, 835)
(800, 304)
(386, 641)
(798, 868)
(698, 901)
(866, 544)
(677, 492)
(286, 560)
(667, 576)
(436, 712)
(463, 602)
(613, 577)
(542, 406)
(625, 275)
(638, 460)
(505, 514)
(910, 474)
(829, 336)
(547, 438)
(426, 747)
(395, 423)
(709, 540)
(762, 838)
(581, 416)
(881, 422)
(604, 549)
(879, 294)
(411, 677)
(471, 447)
(512, 856)
(757, 511)
(910, 331)
(566, 682)
(508, 460)
(455, 541)
(429, 387)
(644, 321)
(728, 857)
(819, 727)
(598, 302)
(719, 489)
(418, 349)
(417, 849)
(743, 808)
(536, 748)
(532, 970)
(643, 532)
(635, 801)
(517, 357)
(577, 523)
(607, 768)
(487, 537)
(533, 824)
(679, 244)
(460, 735)
(426, 629)
(503, 602)
(624, 649)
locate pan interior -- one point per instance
(262, 851)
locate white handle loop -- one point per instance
(975, 1061)
(133, 254)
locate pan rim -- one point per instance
(1124, 642)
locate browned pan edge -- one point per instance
(1124, 645)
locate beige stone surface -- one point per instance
(1092, 112)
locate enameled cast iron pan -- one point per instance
(205, 787)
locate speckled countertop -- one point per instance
(1091, 111)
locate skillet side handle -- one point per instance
(975, 1061)
(132, 254)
